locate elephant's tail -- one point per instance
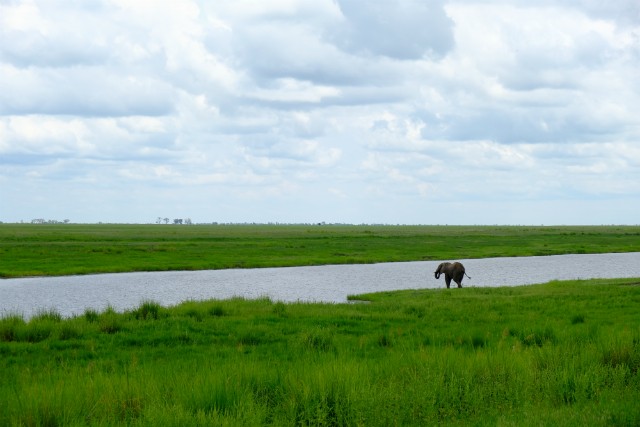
(465, 273)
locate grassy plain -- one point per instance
(563, 353)
(31, 250)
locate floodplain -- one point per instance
(63, 249)
(560, 353)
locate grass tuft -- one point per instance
(50, 315)
(91, 316)
(110, 322)
(148, 310)
(217, 311)
(577, 319)
(10, 326)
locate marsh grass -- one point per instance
(506, 356)
(30, 250)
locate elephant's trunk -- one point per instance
(437, 274)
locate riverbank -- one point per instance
(563, 353)
(67, 249)
(71, 295)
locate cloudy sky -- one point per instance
(386, 111)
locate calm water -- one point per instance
(71, 295)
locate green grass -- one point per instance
(29, 250)
(562, 353)
(555, 354)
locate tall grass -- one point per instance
(507, 356)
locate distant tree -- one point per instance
(166, 220)
(177, 221)
(187, 221)
(159, 220)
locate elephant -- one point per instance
(453, 271)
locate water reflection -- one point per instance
(71, 295)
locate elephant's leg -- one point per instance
(448, 280)
(458, 278)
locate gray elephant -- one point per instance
(453, 271)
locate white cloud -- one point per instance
(287, 110)
(292, 90)
(396, 29)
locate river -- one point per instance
(71, 295)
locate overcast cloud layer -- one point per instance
(387, 111)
